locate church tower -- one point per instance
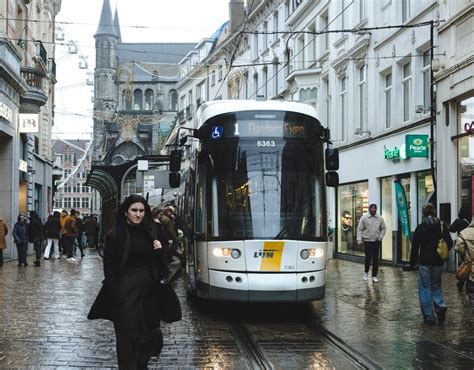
(105, 93)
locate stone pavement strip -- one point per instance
(43, 321)
(384, 322)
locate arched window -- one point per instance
(173, 100)
(149, 99)
(137, 100)
(126, 100)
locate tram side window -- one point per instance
(201, 194)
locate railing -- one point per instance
(41, 51)
(33, 77)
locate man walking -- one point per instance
(70, 234)
(370, 233)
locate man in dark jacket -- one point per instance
(424, 253)
(52, 231)
(20, 237)
(35, 235)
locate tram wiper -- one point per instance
(282, 232)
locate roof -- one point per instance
(153, 52)
(106, 22)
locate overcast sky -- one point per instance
(141, 21)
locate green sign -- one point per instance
(402, 209)
(416, 145)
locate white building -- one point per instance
(366, 66)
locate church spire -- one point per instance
(117, 25)
(106, 23)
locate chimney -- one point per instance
(236, 14)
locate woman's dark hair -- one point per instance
(56, 214)
(465, 212)
(121, 216)
(428, 210)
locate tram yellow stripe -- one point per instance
(272, 255)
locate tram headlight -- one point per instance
(304, 254)
(311, 252)
(235, 253)
(221, 252)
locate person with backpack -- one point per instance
(424, 253)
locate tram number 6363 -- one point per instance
(265, 143)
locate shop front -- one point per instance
(369, 174)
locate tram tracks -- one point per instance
(328, 349)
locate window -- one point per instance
(213, 78)
(76, 202)
(344, 15)
(353, 202)
(173, 95)
(361, 10)
(327, 100)
(126, 101)
(426, 70)
(309, 94)
(67, 203)
(265, 35)
(220, 73)
(406, 84)
(85, 203)
(265, 82)
(275, 26)
(405, 10)
(149, 99)
(362, 97)
(386, 212)
(275, 77)
(255, 84)
(246, 82)
(324, 37)
(343, 97)
(312, 45)
(76, 188)
(255, 45)
(388, 100)
(137, 100)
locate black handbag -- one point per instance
(168, 303)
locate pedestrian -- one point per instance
(52, 231)
(62, 220)
(3, 242)
(20, 237)
(70, 235)
(35, 236)
(80, 230)
(424, 253)
(91, 231)
(133, 265)
(465, 247)
(459, 224)
(370, 233)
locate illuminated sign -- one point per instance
(416, 145)
(23, 166)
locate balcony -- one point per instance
(34, 97)
(41, 53)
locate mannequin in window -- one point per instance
(346, 230)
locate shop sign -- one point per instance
(29, 123)
(396, 153)
(23, 166)
(6, 112)
(416, 145)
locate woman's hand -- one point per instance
(157, 245)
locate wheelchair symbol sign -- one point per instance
(216, 132)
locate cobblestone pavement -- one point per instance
(43, 323)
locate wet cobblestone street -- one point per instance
(43, 324)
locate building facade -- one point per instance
(368, 68)
(27, 79)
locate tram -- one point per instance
(252, 200)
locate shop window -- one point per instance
(386, 212)
(404, 244)
(466, 152)
(352, 204)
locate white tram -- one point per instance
(253, 201)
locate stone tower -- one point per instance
(105, 92)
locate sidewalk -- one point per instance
(383, 320)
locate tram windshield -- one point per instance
(261, 176)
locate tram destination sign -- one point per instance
(258, 129)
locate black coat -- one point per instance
(35, 230)
(116, 253)
(425, 242)
(52, 228)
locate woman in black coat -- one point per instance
(52, 231)
(35, 235)
(133, 266)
